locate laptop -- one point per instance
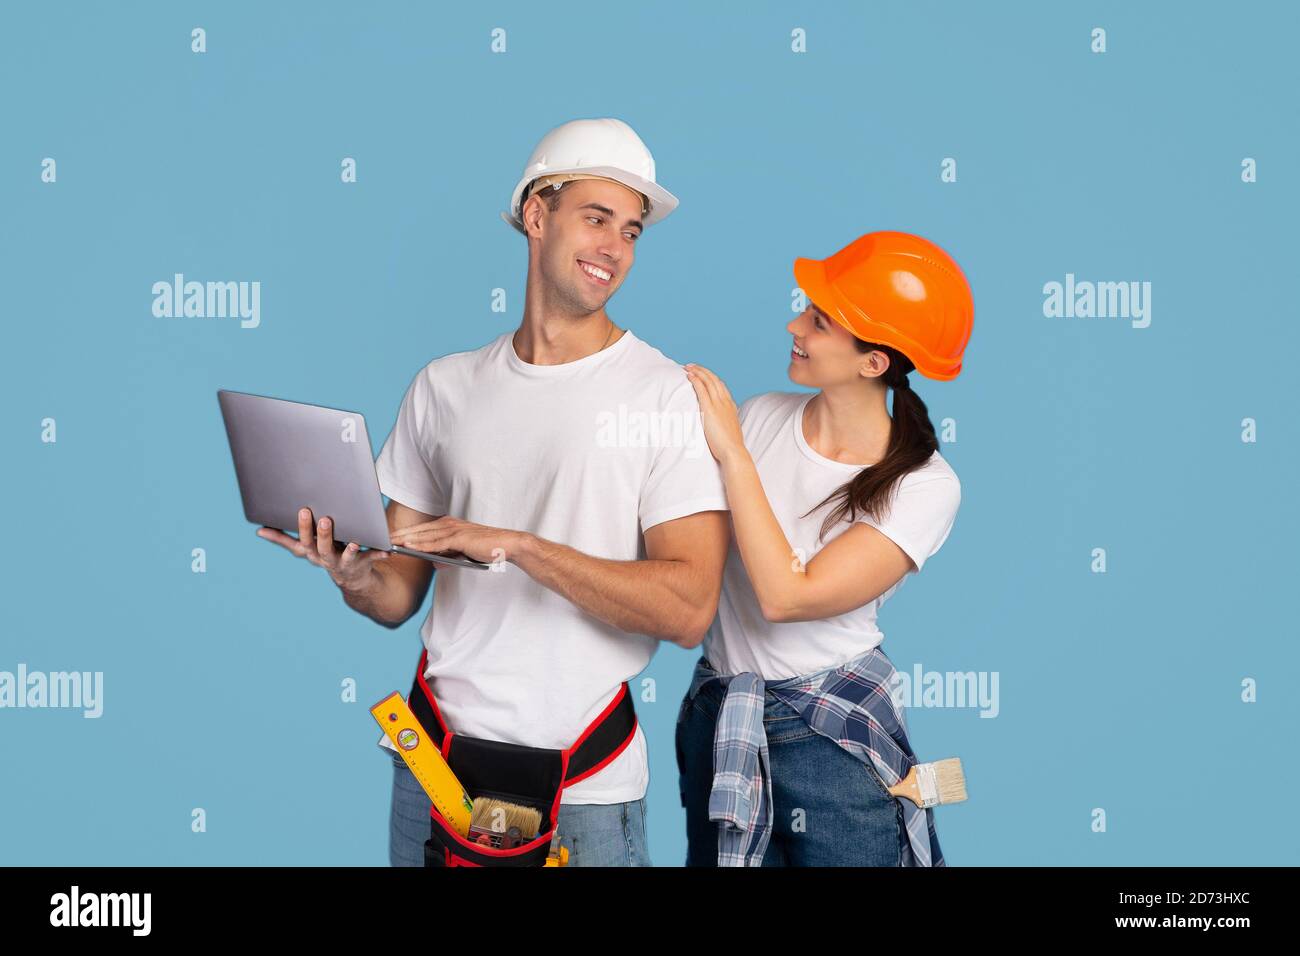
(291, 455)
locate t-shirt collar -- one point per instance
(565, 368)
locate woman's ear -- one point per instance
(874, 364)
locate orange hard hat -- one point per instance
(900, 290)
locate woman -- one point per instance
(789, 734)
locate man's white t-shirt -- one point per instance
(589, 454)
(795, 478)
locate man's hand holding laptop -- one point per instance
(349, 566)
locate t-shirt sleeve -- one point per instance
(405, 474)
(921, 517)
(684, 476)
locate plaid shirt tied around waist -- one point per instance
(852, 705)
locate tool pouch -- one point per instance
(489, 768)
(528, 776)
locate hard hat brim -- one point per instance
(662, 202)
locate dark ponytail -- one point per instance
(912, 441)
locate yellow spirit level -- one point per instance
(394, 715)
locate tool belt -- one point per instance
(529, 776)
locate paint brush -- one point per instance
(929, 784)
(503, 825)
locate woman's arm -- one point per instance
(852, 570)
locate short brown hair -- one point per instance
(551, 196)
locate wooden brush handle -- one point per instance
(907, 787)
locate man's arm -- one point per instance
(672, 594)
(399, 584)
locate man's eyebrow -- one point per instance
(609, 213)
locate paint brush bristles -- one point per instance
(498, 816)
(929, 784)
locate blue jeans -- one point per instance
(610, 834)
(828, 807)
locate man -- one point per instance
(567, 454)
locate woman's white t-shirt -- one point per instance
(795, 478)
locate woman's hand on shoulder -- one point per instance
(718, 414)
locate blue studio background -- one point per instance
(1120, 691)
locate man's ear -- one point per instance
(532, 213)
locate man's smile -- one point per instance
(595, 273)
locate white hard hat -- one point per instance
(606, 148)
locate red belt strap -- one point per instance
(604, 739)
